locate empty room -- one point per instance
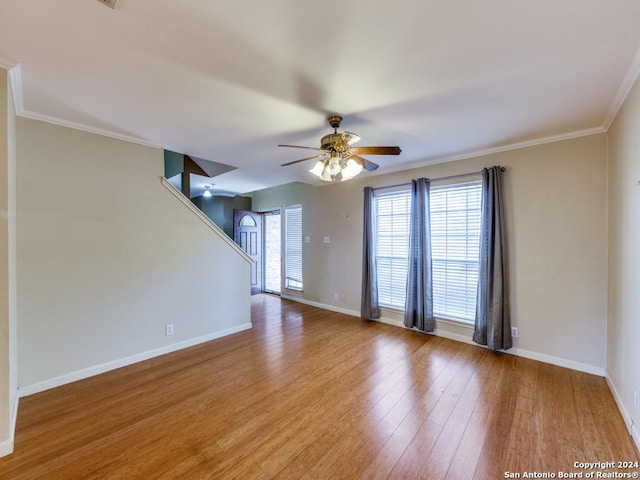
(318, 241)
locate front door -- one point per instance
(247, 232)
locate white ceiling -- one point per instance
(228, 80)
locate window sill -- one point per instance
(392, 310)
(456, 322)
(294, 289)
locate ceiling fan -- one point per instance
(338, 159)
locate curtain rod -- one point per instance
(450, 177)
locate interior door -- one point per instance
(247, 232)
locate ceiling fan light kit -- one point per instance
(336, 169)
(338, 160)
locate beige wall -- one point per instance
(557, 225)
(107, 257)
(623, 335)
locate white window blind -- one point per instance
(455, 244)
(391, 213)
(293, 247)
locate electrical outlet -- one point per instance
(169, 329)
(635, 399)
(336, 296)
(514, 332)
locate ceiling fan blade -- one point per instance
(302, 160)
(366, 164)
(298, 146)
(376, 150)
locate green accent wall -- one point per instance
(173, 163)
(220, 209)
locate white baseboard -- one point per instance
(628, 420)
(519, 352)
(14, 416)
(323, 306)
(560, 362)
(541, 357)
(6, 447)
(112, 365)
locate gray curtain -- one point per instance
(493, 325)
(418, 310)
(369, 308)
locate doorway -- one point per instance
(272, 271)
(259, 234)
(248, 234)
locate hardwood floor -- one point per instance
(310, 394)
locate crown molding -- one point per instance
(15, 80)
(525, 144)
(6, 63)
(85, 128)
(624, 89)
(492, 151)
(630, 78)
(15, 77)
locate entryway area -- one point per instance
(260, 235)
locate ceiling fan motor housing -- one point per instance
(328, 141)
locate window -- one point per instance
(391, 211)
(455, 247)
(455, 244)
(293, 247)
(247, 221)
